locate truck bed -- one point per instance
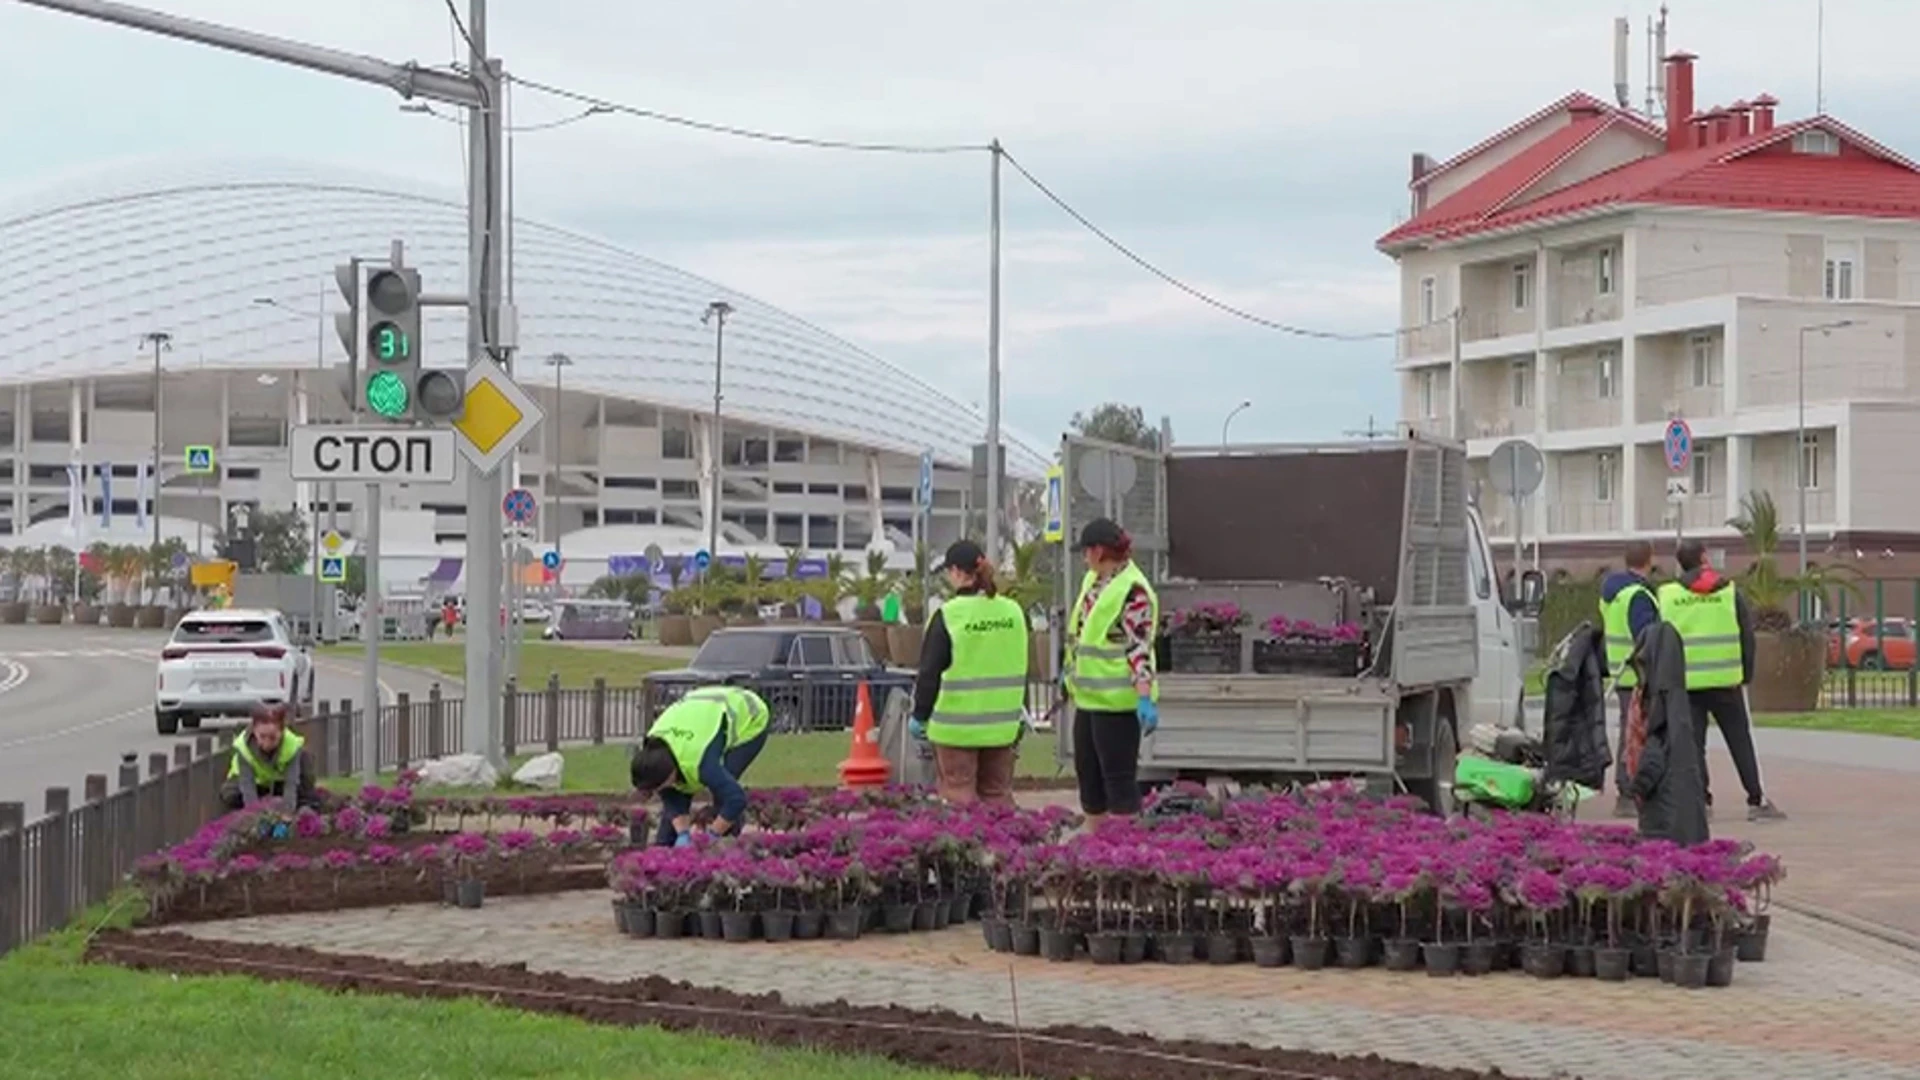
(1300, 723)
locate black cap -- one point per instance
(963, 555)
(1100, 532)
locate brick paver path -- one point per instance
(1827, 1003)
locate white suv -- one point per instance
(223, 663)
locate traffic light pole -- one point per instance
(481, 728)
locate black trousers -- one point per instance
(1621, 781)
(1106, 761)
(1728, 707)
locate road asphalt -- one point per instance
(73, 699)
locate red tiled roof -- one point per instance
(1578, 100)
(1749, 173)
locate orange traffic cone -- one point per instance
(865, 767)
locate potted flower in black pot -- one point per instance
(1205, 639)
(469, 853)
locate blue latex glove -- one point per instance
(917, 728)
(685, 839)
(280, 831)
(1149, 714)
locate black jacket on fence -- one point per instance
(1574, 738)
(1669, 783)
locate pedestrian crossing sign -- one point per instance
(199, 460)
(333, 569)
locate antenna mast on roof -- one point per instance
(1371, 431)
(1657, 66)
(1622, 35)
(1820, 60)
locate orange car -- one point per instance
(1888, 645)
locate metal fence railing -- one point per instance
(79, 851)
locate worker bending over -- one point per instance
(269, 761)
(703, 742)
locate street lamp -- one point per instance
(161, 342)
(1800, 438)
(716, 314)
(1228, 422)
(558, 362)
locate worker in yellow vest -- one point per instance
(970, 697)
(1716, 629)
(703, 742)
(1627, 607)
(269, 762)
(1111, 678)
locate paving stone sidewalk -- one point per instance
(1827, 1003)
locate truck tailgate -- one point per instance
(1226, 723)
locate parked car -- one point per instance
(221, 664)
(1888, 645)
(810, 675)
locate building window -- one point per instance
(1810, 462)
(1521, 375)
(1606, 373)
(680, 489)
(1702, 470)
(676, 441)
(1429, 300)
(791, 451)
(1705, 357)
(1603, 277)
(1522, 285)
(1605, 467)
(1429, 404)
(629, 483)
(1842, 258)
(1816, 141)
(788, 487)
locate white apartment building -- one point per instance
(1587, 275)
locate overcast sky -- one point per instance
(1255, 148)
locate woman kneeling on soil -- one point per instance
(972, 688)
(269, 762)
(703, 742)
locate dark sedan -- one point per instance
(809, 675)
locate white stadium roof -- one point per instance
(96, 261)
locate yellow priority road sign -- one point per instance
(497, 416)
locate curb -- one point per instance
(1865, 927)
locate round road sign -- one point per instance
(550, 560)
(1516, 468)
(1678, 445)
(701, 559)
(519, 506)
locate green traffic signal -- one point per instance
(389, 343)
(387, 395)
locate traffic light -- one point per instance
(381, 330)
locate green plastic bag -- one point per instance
(890, 608)
(1496, 783)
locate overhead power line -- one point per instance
(600, 104)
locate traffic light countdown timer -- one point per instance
(393, 302)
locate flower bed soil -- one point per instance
(323, 890)
(934, 1039)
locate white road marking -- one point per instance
(16, 674)
(61, 733)
(387, 694)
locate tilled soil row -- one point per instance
(934, 1039)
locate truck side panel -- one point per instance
(1300, 723)
(1436, 634)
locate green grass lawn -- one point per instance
(64, 1020)
(808, 760)
(577, 665)
(1898, 723)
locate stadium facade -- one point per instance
(820, 447)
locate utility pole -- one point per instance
(559, 362)
(485, 529)
(161, 342)
(716, 313)
(993, 357)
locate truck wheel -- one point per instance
(166, 723)
(1437, 789)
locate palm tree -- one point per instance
(1767, 588)
(872, 587)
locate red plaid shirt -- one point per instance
(1136, 627)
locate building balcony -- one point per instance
(1435, 340)
(1574, 518)
(1576, 309)
(1574, 414)
(1496, 323)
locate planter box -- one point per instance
(703, 628)
(121, 615)
(86, 615)
(1788, 669)
(1204, 654)
(676, 630)
(1300, 656)
(903, 644)
(49, 614)
(876, 635)
(150, 617)
(13, 614)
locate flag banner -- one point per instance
(106, 495)
(76, 492)
(140, 498)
